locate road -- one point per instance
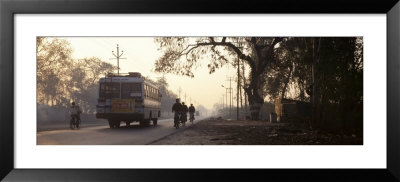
(103, 135)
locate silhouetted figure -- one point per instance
(191, 111)
(75, 113)
(184, 113)
(177, 108)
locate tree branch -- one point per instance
(249, 60)
(211, 39)
(270, 53)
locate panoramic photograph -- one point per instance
(199, 90)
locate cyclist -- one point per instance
(75, 112)
(177, 108)
(191, 112)
(184, 113)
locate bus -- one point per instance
(128, 98)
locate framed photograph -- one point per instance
(279, 90)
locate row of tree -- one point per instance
(326, 71)
(62, 79)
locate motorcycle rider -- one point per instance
(177, 108)
(191, 111)
(75, 112)
(184, 113)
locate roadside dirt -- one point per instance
(234, 132)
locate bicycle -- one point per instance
(74, 122)
(183, 119)
(191, 117)
(176, 121)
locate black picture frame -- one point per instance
(9, 8)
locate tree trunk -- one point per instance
(314, 86)
(315, 94)
(244, 87)
(286, 82)
(255, 99)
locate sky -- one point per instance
(141, 53)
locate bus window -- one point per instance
(152, 93)
(109, 90)
(146, 91)
(131, 90)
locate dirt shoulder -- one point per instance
(234, 132)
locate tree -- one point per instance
(52, 56)
(181, 54)
(61, 79)
(162, 84)
(340, 79)
(327, 71)
(83, 79)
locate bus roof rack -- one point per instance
(135, 74)
(130, 74)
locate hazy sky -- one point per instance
(141, 53)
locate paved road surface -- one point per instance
(103, 135)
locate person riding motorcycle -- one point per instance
(184, 113)
(75, 112)
(191, 111)
(177, 108)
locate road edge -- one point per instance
(154, 141)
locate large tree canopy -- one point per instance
(181, 54)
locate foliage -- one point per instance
(338, 78)
(168, 97)
(181, 54)
(328, 69)
(61, 79)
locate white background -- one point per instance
(370, 155)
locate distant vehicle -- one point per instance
(128, 98)
(197, 113)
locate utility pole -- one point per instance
(223, 104)
(230, 95)
(185, 96)
(226, 98)
(118, 57)
(223, 101)
(226, 94)
(238, 82)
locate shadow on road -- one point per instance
(132, 127)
